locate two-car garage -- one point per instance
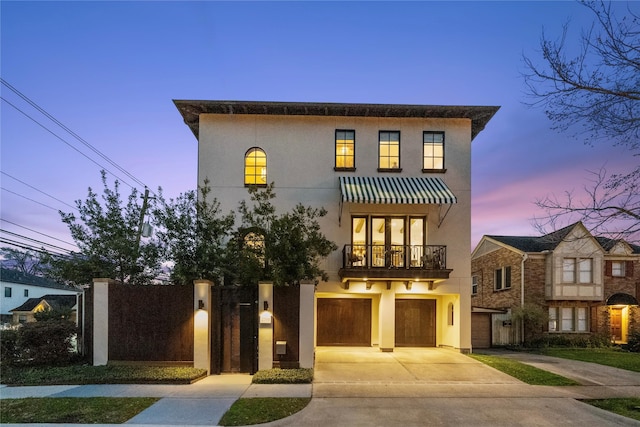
(348, 322)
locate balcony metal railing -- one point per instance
(424, 257)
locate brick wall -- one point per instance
(484, 268)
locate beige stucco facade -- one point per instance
(301, 153)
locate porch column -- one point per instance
(202, 324)
(307, 325)
(265, 328)
(387, 319)
(101, 321)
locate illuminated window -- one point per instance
(433, 151)
(345, 149)
(255, 167)
(389, 150)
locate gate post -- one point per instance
(101, 321)
(307, 325)
(201, 324)
(265, 328)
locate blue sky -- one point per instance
(109, 71)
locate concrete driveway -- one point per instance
(439, 387)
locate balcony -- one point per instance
(394, 262)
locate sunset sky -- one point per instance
(108, 72)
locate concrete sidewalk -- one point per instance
(409, 387)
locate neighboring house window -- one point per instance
(26, 292)
(345, 149)
(568, 319)
(617, 268)
(577, 270)
(255, 167)
(433, 151)
(474, 285)
(503, 278)
(22, 318)
(389, 150)
(7, 292)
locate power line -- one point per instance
(57, 248)
(63, 140)
(72, 133)
(31, 200)
(31, 247)
(38, 232)
(40, 191)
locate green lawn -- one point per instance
(73, 410)
(525, 373)
(603, 356)
(110, 374)
(260, 410)
(627, 407)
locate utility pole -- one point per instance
(142, 212)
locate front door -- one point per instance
(616, 324)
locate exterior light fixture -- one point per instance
(265, 316)
(200, 304)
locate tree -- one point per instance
(194, 234)
(293, 244)
(26, 261)
(595, 95)
(107, 234)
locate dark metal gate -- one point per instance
(234, 329)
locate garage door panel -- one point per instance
(480, 330)
(415, 323)
(344, 321)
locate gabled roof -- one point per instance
(191, 110)
(550, 241)
(55, 301)
(8, 275)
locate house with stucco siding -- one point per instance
(396, 182)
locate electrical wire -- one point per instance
(40, 191)
(31, 200)
(32, 248)
(38, 232)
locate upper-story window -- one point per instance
(474, 285)
(618, 268)
(7, 292)
(577, 270)
(502, 278)
(433, 151)
(255, 167)
(26, 292)
(345, 150)
(389, 151)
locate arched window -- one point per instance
(255, 167)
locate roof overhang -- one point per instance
(191, 110)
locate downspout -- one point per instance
(525, 256)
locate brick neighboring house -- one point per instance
(586, 285)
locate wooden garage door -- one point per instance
(415, 323)
(480, 330)
(344, 321)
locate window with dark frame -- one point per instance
(7, 292)
(389, 151)
(474, 285)
(502, 278)
(433, 151)
(26, 292)
(345, 150)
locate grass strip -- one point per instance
(602, 356)
(525, 373)
(627, 406)
(109, 374)
(73, 410)
(259, 410)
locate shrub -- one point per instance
(45, 343)
(633, 341)
(8, 349)
(569, 340)
(283, 376)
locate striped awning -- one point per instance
(395, 190)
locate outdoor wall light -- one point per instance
(200, 304)
(265, 316)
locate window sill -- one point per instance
(502, 290)
(434, 170)
(256, 185)
(337, 169)
(391, 170)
